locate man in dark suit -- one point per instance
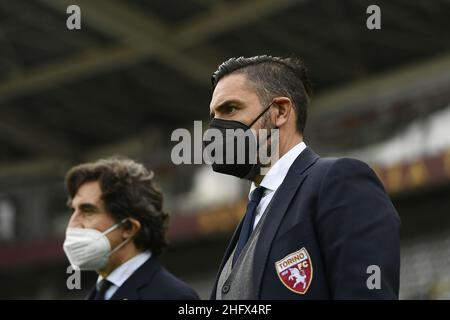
(117, 228)
(151, 281)
(315, 228)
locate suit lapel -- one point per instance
(282, 199)
(92, 294)
(141, 277)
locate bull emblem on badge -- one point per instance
(295, 271)
(298, 275)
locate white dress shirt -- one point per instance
(274, 178)
(119, 275)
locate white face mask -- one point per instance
(89, 249)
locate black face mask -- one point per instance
(246, 169)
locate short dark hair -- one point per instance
(128, 190)
(273, 76)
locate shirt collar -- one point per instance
(119, 275)
(276, 174)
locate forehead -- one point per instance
(88, 192)
(234, 86)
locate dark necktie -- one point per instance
(103, 287)
(249, 219)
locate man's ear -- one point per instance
(283, 106)
(131, 228)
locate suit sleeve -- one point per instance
(358, 228)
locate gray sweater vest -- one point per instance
(237, 283)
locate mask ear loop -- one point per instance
(114, 227)
(123, 242)
(119, 246)
(260, 115)
(257, 118)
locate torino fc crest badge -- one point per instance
(295, 271)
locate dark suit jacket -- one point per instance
(151, 281)
(338, 210)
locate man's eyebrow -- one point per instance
(225, 104)
(88, 207)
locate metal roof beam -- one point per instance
(141, 37)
